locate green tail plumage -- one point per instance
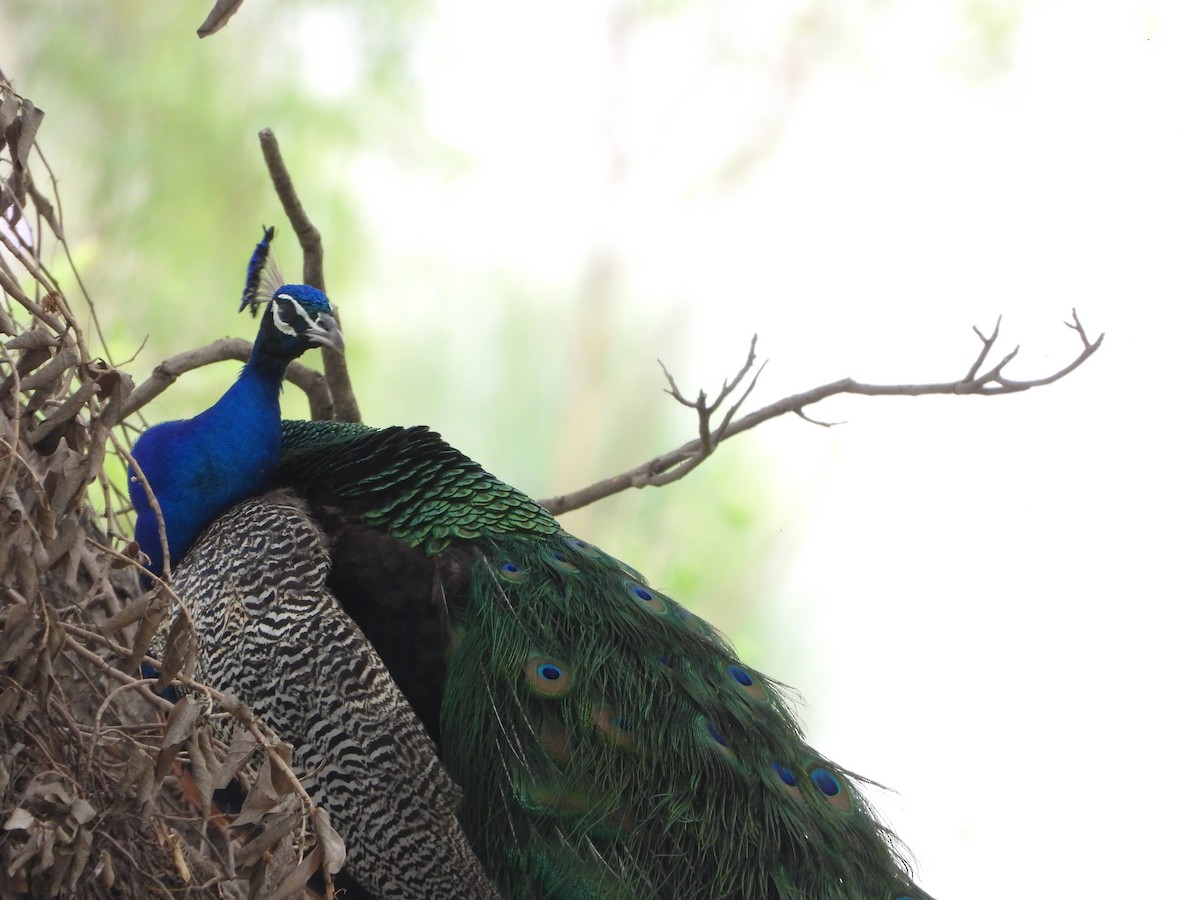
(608, 743)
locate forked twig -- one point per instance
(673, 465)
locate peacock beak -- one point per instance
(326, 333)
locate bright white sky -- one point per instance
(1003, 590)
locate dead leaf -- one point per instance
(20, 627)
(156, 611)
(82, 811)
(278, 829)
(182, 720)
(180, 723)
(202, 773)
(21, 131)
(127, 616)
(295, 880)
(21, 818)
(179, 653)
(331, 842)
(181, 866)
(241, 749)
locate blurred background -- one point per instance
(988, 604)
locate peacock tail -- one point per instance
(608, 742)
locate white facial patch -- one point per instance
(290, 317)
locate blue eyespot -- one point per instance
(784, 774)
(616, 728)
(510, 571)
(559, 560)
(746, 683)
(715, 734)
(825, 781)
(581, 547)
(831, 788)
(547, 677)
(646, 598)
(740, 675)
(711, 736)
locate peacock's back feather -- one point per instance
(276, 637)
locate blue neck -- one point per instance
(200, 467)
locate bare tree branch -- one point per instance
(218, 17)
(345, 406)
(313, 383)
(677, 463)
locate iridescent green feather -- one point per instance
(608, 742)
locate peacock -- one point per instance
(607, 742)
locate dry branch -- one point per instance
(677, 463)
(218, 17)
(345, 406)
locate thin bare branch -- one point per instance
(306, 232)
(345, 405)
(704, 409)
(985, 349)
(11, 288)
(673, 465)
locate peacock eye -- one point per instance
(284, 314)
(547, 677)
(559, 560)
(786, 775)
(747, 684)
(646, 598)
(831, 788)
(740, 675)
(616, 728)
(826, 783)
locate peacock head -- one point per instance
(298, 317)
